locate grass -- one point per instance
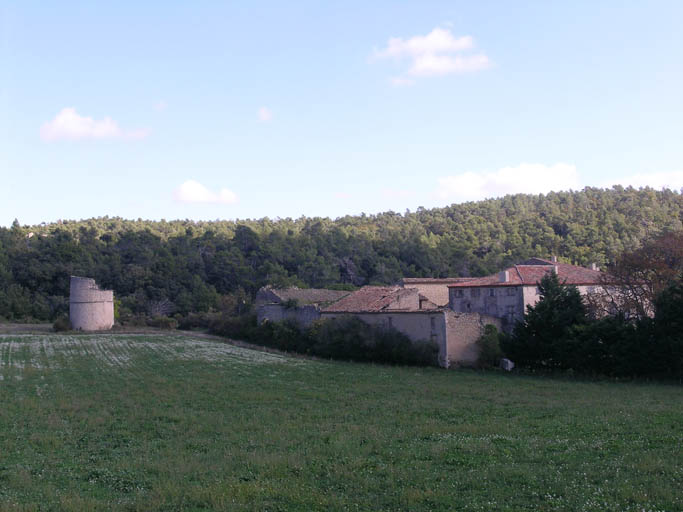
(167, 422)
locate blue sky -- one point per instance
(212, 110)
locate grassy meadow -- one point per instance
(176, 422)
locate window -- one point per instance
(510, 290)
(511, 310)
(474, 293)
(459, 293)
(390, 322)
(432, 321)
(538, 291)
(492, 292)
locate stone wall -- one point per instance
(90, 309)
(304, 316)
(435, 292)
(462, 332)
(455, 334)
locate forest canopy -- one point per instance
(184, 266)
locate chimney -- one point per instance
(553, 258)
(556, 269)
(594, 266)
(504, 276)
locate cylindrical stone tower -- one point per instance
(90, 309)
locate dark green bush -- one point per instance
(346, 338)
(238, 327)
(352, 339)
(541, 339)
(490, 352)
(162, 322)
(556, 334)
(195, 320)
(61, 324)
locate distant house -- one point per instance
(301, 305)
(413, 314)
(434, 289)
(506, 295)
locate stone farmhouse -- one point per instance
(410, 312)
(506, 295)
(452, 312)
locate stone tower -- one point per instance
(90, 309)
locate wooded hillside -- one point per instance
(184, 266)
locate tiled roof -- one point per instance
(530, 272)
(307, 295)
(368, 299)
(435, 280)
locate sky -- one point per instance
(233, 110)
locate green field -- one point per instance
(171, 422)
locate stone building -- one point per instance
(301, 305)
(434, 289)
(411, 313)
(506, 295)
(90, 309)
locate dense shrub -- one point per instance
(351, 338)
(195, 320)
(556, 334)
(162, 322)
(61, 324)
(667, 331)
(490, 352)
(240, 327)
(344, 338)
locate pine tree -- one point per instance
(541, 340)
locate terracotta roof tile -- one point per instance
(435, 280)
(304, 295)
(369, 298)
(531, 274)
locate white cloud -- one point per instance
(437, 65)
(265, 114)
(524, 178)
(657, 180)
(439, 40)
(69, 125)
(194, 192)
(436, 54)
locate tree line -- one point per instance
(179, 267)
